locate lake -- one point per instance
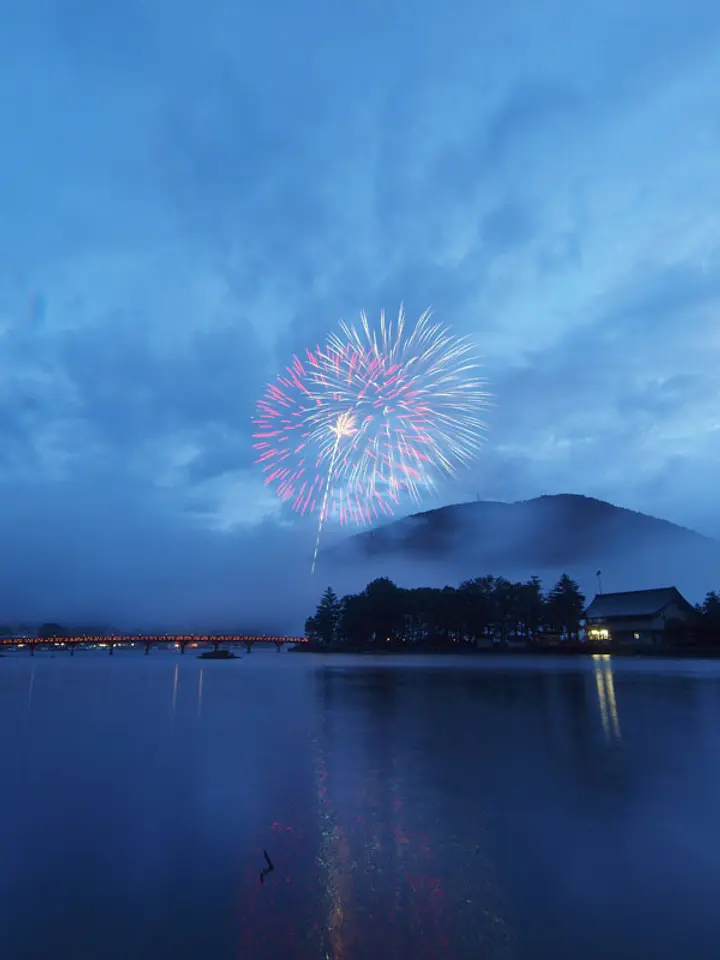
(412, 807)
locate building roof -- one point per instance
(635, 603)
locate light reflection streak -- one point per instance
(335, 858)
(381, 882)
(605, 683)
(200, 693)
(400, 840)
(396, 866)
(31, 687)
(175, 689)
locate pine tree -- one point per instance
(322, 628)
(565, 606)
(531, 606)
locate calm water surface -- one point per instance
(413, 808)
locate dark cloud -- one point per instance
(596, 411)
(104, 549)
(526, 110)
(660, 299)
(528, 107)
(191, 196)
(224, 452)
(106, 37)
(508, 225)
(130, 387)
(664, 397)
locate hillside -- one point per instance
(546, 534)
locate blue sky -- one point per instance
(192, 192)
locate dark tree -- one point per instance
(531, 607)
(355, 621)
(505, 609)
(452, 616)
(323, 627)
(480, 608)
(477, 599)
(48, 630)
(428, 615)
(708, 623)
(415, 625)
(385, 609)
(565, 607)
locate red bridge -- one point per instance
(143, 640)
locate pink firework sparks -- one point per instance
(374, 417)
(299, 436)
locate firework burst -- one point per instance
(373, 417)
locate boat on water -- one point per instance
(218, 655)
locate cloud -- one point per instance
(528, 110)
(190, 196)
(128, 385)
(613, 409)
(102, 549)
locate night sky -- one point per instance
(192, 192)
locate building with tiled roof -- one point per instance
(637, 616)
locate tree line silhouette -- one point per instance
(707, 630)
(486, 608)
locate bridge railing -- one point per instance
(151, 638)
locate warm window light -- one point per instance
(599, 633)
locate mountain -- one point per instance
(544, 535)
(548, 530)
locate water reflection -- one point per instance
(175, 688)
(334, 858)
(605, 683)
(31, 687)
(383, 874)
(411, 811)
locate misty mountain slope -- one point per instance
(544, 535)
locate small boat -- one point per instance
(218, 655)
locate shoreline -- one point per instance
(576, 650)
